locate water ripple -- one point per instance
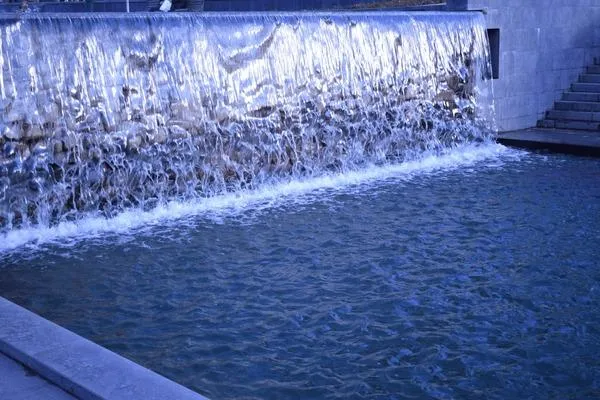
(443, 285)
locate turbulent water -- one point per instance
(300, 191)
(445, 279)
(100, 114)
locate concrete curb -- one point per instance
(77, 365)
(560, 141)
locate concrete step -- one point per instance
(563, 141)
(589, 78)
(579, 108)
(571, 125)
(546, 123)
(593, 106)
(581, 96)
(593, 69)
(573, 115)
(578, 125)
(586, 87)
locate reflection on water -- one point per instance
(468, 282)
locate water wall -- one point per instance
(107, 112)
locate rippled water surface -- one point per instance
(469, 282)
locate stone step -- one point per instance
(593, 69)
(576, 142)
(581, 96)
(573, 115)
(546, 123)
(579, 108)
(570, 125)
(589, 78)
(578, 125)
(586, 87)
(593, 106)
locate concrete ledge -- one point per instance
(17, 382)
(561, 141)
(77, 365)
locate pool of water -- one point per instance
(474, 276)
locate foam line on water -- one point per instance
(265, 197)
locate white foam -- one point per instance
(265, 197)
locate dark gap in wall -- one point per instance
(494, 39)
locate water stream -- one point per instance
(102, 114)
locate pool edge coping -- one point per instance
(566, 141)
(77, 365)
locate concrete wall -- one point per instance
(544, 46)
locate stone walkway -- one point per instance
(18, 383)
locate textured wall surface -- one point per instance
(544, 46)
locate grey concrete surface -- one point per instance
(544, 46)
(567, 105)
(77, 365)
(573, 114)
(19, 383)
(557, 140)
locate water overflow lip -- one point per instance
(184, 107)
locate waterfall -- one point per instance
(101, 113)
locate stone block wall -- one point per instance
(544, 46)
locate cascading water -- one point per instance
(103, 113)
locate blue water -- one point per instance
(475, 281)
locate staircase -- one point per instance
(579, 108)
